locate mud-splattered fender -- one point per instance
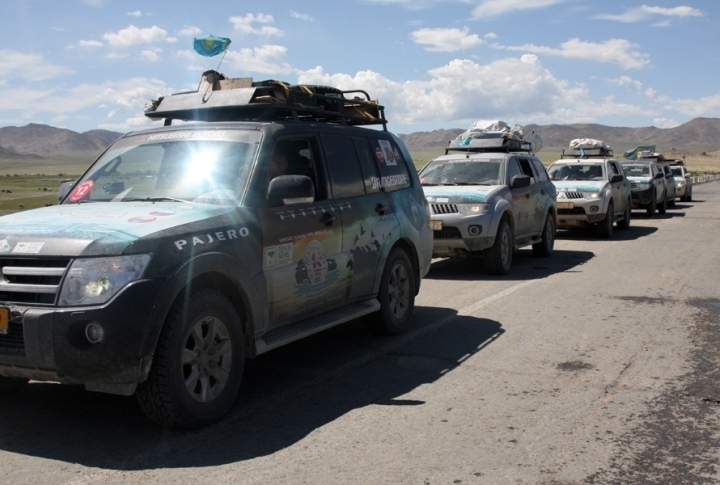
(499, 210)
(254, 302)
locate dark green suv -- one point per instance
(187, 248)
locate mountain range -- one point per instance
(36, 141)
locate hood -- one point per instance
(579, 185)
(102, 228)
(469, 194)
(640, 180)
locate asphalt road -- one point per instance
(599, 365)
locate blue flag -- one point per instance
(211, 45)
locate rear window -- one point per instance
(391, 164)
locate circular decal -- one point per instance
(141, 219)
(379, 154)
(315, 262)
(162, 213)
(82, 191)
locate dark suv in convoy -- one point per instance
(187, 248)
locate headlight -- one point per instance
(642, 186)
(592, 195)
(681, 185)
(473, 209)
(92, 281)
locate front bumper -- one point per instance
(583, 213)
(49, 343)
(642, 198)
(462, 234)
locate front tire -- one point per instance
(198, 366)
(605, 228)
(625, 223)
(498, 258)
(652, 207)
(544, 248)
(663, 205)
(397, 296)
(689, 197)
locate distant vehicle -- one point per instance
(670, 184)
(647, 185)
(489, 196)
(592, 190)
(683, 181)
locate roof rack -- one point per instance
(489, 142)
(587, 153)
(221, 99)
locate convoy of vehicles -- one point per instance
(272, 214)
(683, 180)
(592, 190)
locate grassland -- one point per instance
(700, 159)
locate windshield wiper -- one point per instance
(153, 199)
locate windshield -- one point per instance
(678, 172)
(636, 170)
(577, 171)
(461, 172)
(198, 166)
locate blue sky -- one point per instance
(86, 64)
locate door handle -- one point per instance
(542, 191)
(381, 208)
(327, 219)
(527, 196)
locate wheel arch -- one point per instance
(410, 248)
(216, 271)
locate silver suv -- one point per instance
(592, 190)
(488, 197)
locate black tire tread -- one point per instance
(492, 257)
(541, 249)
(382, 322)
(605, 227)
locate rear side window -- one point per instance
(367, 165)
(391, 164)
(540, 169)
(526, 169)
(346, 177)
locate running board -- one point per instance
(291, 333)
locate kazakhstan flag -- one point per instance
(211, 45)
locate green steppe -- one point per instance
(28, 184)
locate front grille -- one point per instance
(633, 185)
(448, 232)
(573, 195)
(444, 208)
(31, 280)
(14, 342)
(575, 211)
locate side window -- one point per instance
(391, 164)
(540, 169)
(512, 170)
(297, 156)
(367, 165)
(614, 168)
(346, 179)
(527, 169)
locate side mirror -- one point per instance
(520, 181)
(65, 189)
(291, 190)
(617, 177)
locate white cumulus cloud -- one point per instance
(615, 51)
(90, 43)
(247, 25)
(268, 59)
(643, 12)
(152, 55)
(31, 67)
(134, 35)
(189, 30)
(665, 123)
(445, 40)
(626, 81)
(493, 8)
(301, 16)
(134, 13)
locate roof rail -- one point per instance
(587, 153)
(222, 99)
(488, 143)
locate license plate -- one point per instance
(4, 321)
(565, 205)
(436, 225)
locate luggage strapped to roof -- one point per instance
(220, 99)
